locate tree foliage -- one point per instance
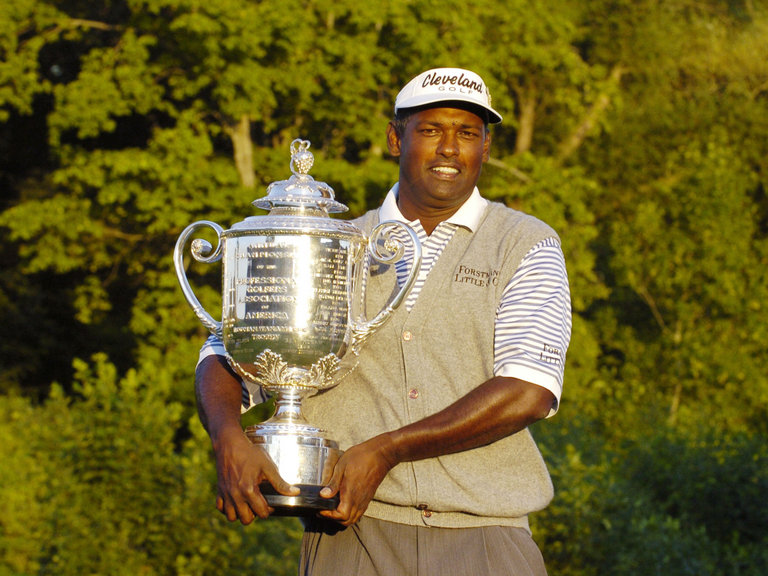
(116, 492)
(637, 129)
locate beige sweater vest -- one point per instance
(438, 352)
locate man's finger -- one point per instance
(254, 500)
(329, 491)
(279, 484)
(246, 514)
(334, 484)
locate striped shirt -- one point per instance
(535, 307)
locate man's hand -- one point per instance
(241, 467)
(356, 478)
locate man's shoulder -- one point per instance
(510, 220)
(367, 221)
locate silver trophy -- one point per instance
(293, 320)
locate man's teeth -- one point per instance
(445, 170)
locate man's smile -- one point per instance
(445, 170)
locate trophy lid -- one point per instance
(300, 190)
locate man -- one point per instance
(439, 471)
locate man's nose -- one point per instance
(449, 145)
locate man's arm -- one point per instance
(495, 409)
(240, 466)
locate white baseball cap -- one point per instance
(447, 85)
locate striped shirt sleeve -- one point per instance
(533, 320)
(252, 393)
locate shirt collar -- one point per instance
(468, 216)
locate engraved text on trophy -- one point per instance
(288, 294)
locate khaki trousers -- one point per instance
(377, 548)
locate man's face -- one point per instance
(441, 153)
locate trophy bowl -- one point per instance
(293, 293)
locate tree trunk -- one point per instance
(526, 120)
(582, 130)
(240, 134)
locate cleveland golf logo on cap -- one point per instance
(447, 81)
(447, 85)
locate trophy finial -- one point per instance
(300, 190)
(301, 158)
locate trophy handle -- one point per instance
(393, 250)
(201, 251)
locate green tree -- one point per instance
(683, 214)
(103, 486)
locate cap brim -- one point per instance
(426, 100)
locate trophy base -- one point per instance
(307, 503)
(305, 458)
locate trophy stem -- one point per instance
(288, 410)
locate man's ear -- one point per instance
(393, 140)
(487, 146)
